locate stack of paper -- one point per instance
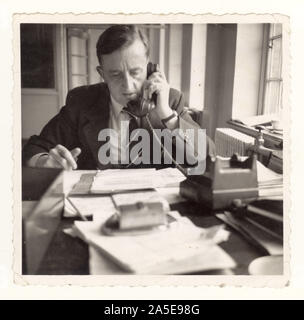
(270, 183)
(267, 215)
(110, 181)
(175, 250)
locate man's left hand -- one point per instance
(157, 83)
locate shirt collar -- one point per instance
(116, 107)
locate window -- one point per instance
(270, 89)
(78, 73)
(273, 85)
(37, 55)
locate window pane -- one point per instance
(78, 57)
(37, 56)
(274, 80)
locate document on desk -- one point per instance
(180, 249)
(95, 206)
(117, 180)
(101, 205)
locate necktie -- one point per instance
(132, 126)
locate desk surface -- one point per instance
(66, 255)
(70, 256)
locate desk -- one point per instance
(66, 255)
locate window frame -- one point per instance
(265, 65)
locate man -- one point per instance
(70, 139)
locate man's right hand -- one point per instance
(60, 157)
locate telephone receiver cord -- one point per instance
(178, 166)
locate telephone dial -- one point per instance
(140, 107)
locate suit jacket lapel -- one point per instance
(97, 119)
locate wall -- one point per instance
(37, 110)
(219, 76)
(247, 69)
(233, 71)
(185, 54)
(198, 66)
(154, 40)
(174, 37)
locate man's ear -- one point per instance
(100, 71)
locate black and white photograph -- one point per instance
(152, 149)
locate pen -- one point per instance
(79, 213)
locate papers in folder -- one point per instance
(116, 180)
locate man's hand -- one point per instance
(157, 83)
(60, 157)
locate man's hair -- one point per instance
(119, 36)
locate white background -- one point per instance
(292, 8)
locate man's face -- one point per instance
(125, 71)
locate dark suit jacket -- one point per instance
(78, 123)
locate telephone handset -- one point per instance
(140, 107)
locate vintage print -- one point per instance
(150, 149)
